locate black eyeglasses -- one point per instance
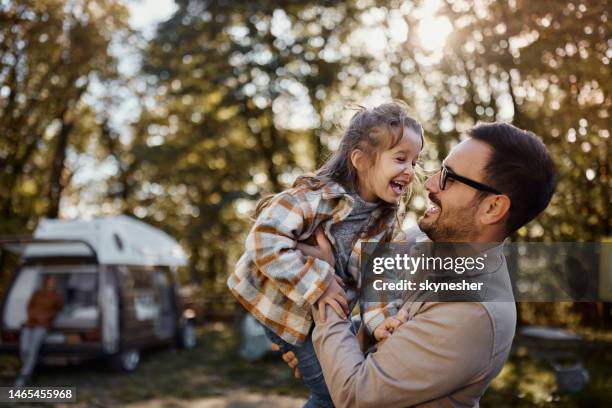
(446, 173)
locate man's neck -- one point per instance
(489, 236)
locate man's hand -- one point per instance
(388, 326)
(334, 295)
(323, 250)
(291, 360)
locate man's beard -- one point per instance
(455, 226)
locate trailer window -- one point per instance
(138, 284)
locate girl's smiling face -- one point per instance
(387, 176)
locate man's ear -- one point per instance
(495, 209)
(359, 160)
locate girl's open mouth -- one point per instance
(398, 186)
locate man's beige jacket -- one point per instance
(445, 355)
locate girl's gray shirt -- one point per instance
(344, 233)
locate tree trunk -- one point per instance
(56, 181)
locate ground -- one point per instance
(213, 375)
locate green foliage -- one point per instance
(50, 53)
(223, 76)
(550, 64)
(238, 98)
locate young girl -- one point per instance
(354, 197)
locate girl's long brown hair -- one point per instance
(371, 131)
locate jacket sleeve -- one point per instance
(32, 304)
(374, 313)
(440, 350)
(272, 243)
(60, 303)
(376, 306)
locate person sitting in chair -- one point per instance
(43, 306)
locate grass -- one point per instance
(528, 380)
(214, 368)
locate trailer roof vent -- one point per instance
(118, 241)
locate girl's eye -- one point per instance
(414, 164)
(400, 159)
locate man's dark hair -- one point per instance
(520, 167)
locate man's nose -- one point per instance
(431, 184)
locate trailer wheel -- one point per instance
(187, 336)
(126, 361)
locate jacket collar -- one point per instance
(332, 189)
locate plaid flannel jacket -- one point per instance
(277, 283)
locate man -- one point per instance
(447, 353)
(43, 306)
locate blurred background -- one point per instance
(184, 113)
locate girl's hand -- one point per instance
(291, 360)
(323, 250)
(389, 325)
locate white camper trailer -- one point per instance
(118, 279)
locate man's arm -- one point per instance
(443, 348)
(375, 312)
(33, 303)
